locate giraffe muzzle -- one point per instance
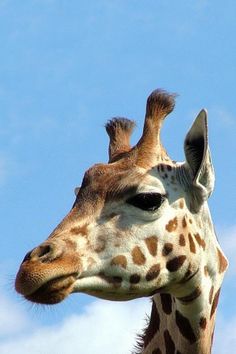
(47, 273)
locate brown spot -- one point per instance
(203, 322)
(166, 302)
(187, 275)
(200, 241)
(168, 247)
(206, 272)
(156, 351)
(184, 222)
(137, 256)
(101, 244)
(191, 244)
(174, 264)
(211, 294)
(191, 221)
(181, 204)
(172, 225)
(82, 230)
(153, 272)
(151, 243)
(91, 262)
(223, 263)
(182, 240)
(191, 297)
(215, 303)
(153, 327)
(119, 261)
(185, 327)
(70, 244)
(134, 279)
(115, 281)
(169, 343)
(169, 168)
(112, 215)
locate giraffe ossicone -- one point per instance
(140, 226)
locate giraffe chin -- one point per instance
(54, 291)
(110, 288)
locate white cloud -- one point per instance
(225, 336)
(104, 327)
(12, 317)
(222, 116)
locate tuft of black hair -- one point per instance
(118, 124)
(160, 101)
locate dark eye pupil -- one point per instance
(146, 201)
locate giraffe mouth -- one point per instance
(53, 291)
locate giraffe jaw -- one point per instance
(110, 288)
(56, 290)
(52, 291)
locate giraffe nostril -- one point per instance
(27, 256)
(44, 250)
(42, 253)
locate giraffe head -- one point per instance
(139, 225)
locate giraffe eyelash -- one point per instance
(146, 201)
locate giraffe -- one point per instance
(140, 226)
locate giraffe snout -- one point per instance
(48, 272)
(45, 252)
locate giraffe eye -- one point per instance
(146, 201)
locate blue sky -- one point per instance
(65, 68)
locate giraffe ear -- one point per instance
(198, 160)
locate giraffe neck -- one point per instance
(182, 324)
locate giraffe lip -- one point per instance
(53, 291)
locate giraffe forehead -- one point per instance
(111, 181)
(151, 182)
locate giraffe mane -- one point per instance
(142, 337)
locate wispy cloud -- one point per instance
(222, 116)
(12, 318)
(225, 335)
(103, 327)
